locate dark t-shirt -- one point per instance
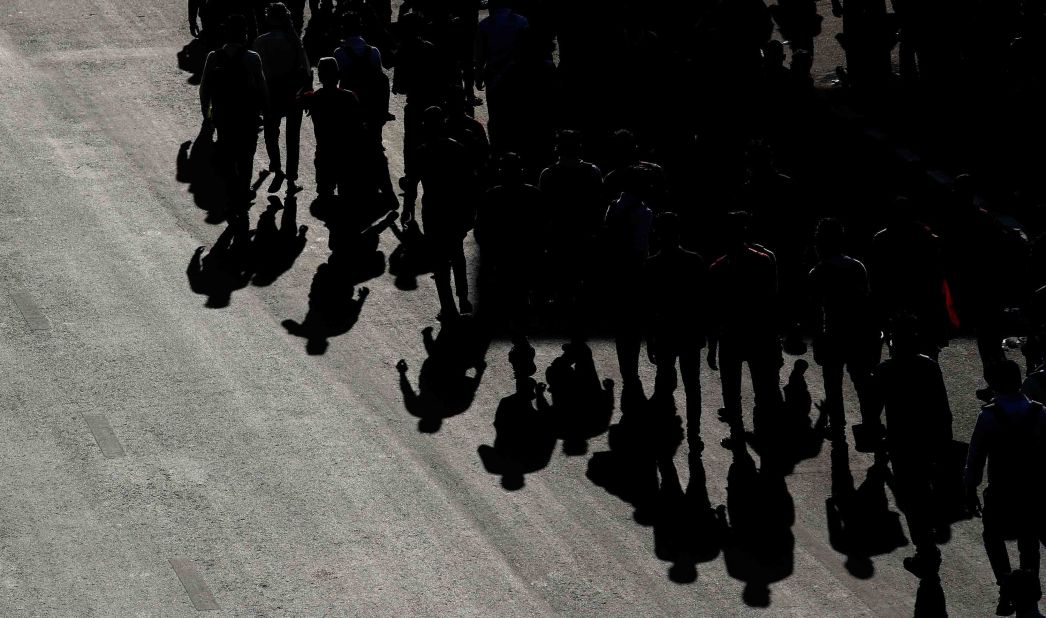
(676, 287)
(448, 183)
(573, 190)
(336, 117)
(744, 294)
(918, 417)
(839, 285)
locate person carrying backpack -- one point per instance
(287, 74)
(362, 73)
(338, 121)
(1008, 437)
(233, 99)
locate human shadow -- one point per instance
(197, 167)
(949, 493)
(275, 248)
(411, 258)
(760, 546)
(191, 59)
(333, 309)
(860, 522)
(789, 435)
(687, 529)
(525, 435)
(640, 469)
(929, 599)
(580, 403)
(449, 376)
(225, 268)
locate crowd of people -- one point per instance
(601, 120)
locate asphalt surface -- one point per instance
(157, 453)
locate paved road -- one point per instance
(286, 483)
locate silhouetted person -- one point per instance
(471, 133)
(287, 73)
(627, 229)
(234, 97)
(743, 308)
(207, 19)
(911, 390)
(627, 168)
(362, 73)
(988, 263)
(907, 276)
(1009, 437)
(676, 292)
(868, 37)
(425, 79)
(447, 208)
(847, 335)
(573, 191)
(333, 310)
(498, 45)
(508, 232)
(337, 118)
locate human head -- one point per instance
(900, 210)
(904, 335)
(828, 239)
(735, 228)
(351, 24)
(568, 144)
(234, 30)
(510, 168)
(1004, 377)
(623, 145)
(277, 15)
(328, 72)
(433, 121)
(666, 225)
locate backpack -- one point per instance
(1018, 449)
(233, 96)
(370, 83)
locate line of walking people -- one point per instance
(599, 238)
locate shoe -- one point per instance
(466, 306)
(1006, 606)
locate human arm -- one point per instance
(976, 459)
(194, 12)
(205, 86)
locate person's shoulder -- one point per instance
(759, 253)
